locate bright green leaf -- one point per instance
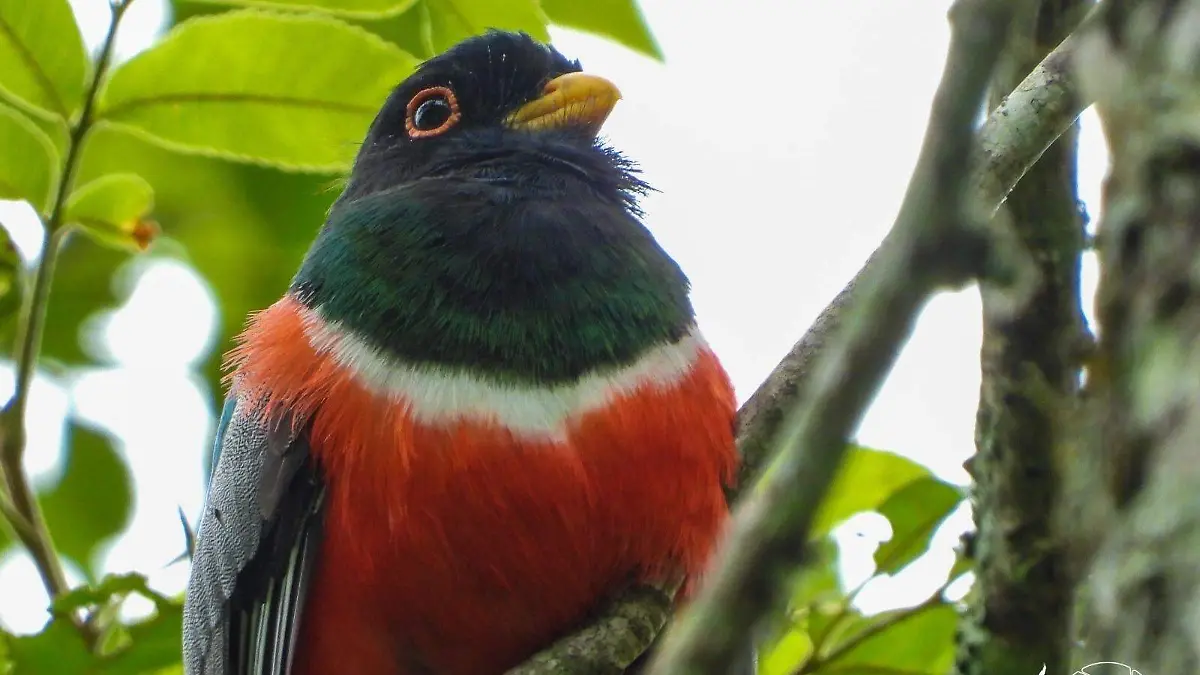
(914, 511)
(452, 20)
(29, 162)
(787, 655)
(114, 210)
(42, 59)
(291, 91)
(619, 20)
(354, 8)
(93, 500)
(865, 481)
(918, 640)
(829, 626)
(57, 650)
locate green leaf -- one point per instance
(818, 581)
(57, 650)
(29, 163)
(411, 30)
(110, 587)
(865, 481)
(453, 20)
(153, 644)
(918, 640)
(962, 565)
(914, 511)
(290, 91)
(42, 59)
(352, 8)
(114, 210)
(618, 20)
(787, 655)
(12, 281)
(93, 500)
(147, 646)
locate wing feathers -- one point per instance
(256, 550)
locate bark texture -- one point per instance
(1020, 605)
(1135, 500)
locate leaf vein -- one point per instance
(42, 79)
(204, 97)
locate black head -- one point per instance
(479, 104)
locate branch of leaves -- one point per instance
(149, 645)
(824, 632)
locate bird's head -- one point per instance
(484, 224)
(493, 106)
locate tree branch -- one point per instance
(1015, 135)
(934, 242)
(1019, 608)
(1136, 455)
(32, 531)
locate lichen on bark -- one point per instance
(1138, 459)
(1020, 603)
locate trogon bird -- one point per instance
(481, 407)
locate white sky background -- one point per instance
(781, 136)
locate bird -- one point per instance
(482, 406)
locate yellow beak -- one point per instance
(574, 99)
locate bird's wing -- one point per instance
(255, 548)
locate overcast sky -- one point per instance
(780, 135)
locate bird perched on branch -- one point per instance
(481, 407)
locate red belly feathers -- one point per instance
(462, 548)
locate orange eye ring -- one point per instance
(421, 98)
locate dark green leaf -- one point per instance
(453, 20)
(865, 481)
(354, 8)
(114, 210)
(919, 640)
(42, 59)
(914, 511)
(92, 502)
(619, 20)
(11, 279)
(29, 163)
(260, 87)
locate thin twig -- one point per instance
(934, 243)
(36, 536)
(23, 528)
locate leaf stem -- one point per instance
(818, 662)
(31, 527)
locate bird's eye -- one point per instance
(432, 112)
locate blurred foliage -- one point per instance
(231, 132)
